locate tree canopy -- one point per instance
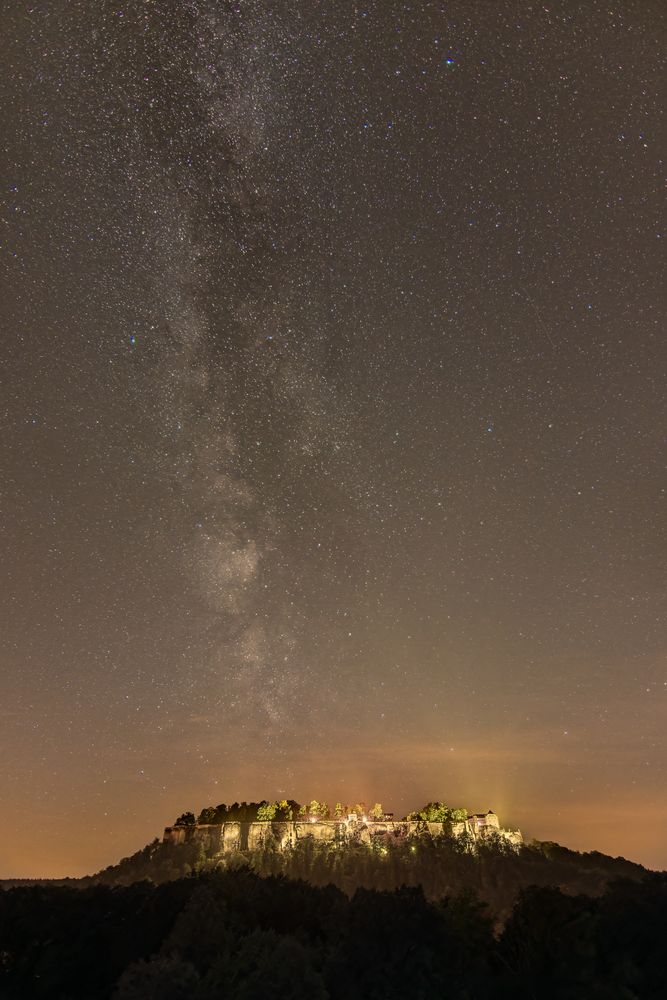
(289, 809)
(439, 812)
(185, 819)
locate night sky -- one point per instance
(333, 381)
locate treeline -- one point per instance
(231, 934)
(290, 809)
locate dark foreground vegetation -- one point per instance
(233, 934)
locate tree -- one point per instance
(186, 819)
(207, 815)
(377, 812)
(266, 964)
(439, 812)
(434, 812)
(339, 812)
(284, 810)
(162, 978)
(318, 809)
(458, 815)
(267, 811)
(280, 810)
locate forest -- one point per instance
(234, 934)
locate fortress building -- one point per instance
(484, 822)
(234, 836)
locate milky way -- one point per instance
(333, 383)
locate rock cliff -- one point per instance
(231, 837)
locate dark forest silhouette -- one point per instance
(233, 934)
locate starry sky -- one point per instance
(333, 393)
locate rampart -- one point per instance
(232, 837)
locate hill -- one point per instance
(495, 871)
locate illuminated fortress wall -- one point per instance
(228, 838)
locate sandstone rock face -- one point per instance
(230, 838)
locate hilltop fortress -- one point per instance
(232, 836)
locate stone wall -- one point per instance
(228, 838)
